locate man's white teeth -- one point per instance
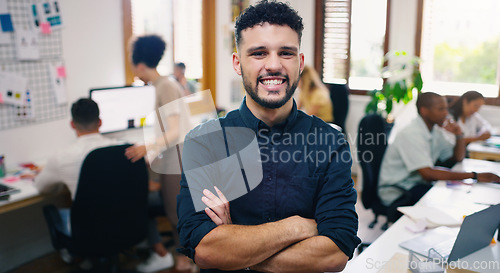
(272, 82)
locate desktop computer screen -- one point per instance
(125, 107)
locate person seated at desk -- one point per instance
(64, 166)
(409, 161)
(314, 97)
(465, 112)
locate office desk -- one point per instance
(477, 150)
(455, 201)
(23, 232)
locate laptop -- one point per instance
(6, 190)
(476, 232)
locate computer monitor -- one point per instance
(124, 107)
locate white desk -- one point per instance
(23, 232)
(27, 190)
(478, 150)
(455, 201)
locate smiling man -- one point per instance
(300, 217)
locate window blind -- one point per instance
(336, 41)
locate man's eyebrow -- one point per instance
(251, 49)
(291, 48)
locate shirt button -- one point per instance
(269, 178)
(269, 219)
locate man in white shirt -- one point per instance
(409, 161)
(64, 166)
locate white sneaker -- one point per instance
(155, 262)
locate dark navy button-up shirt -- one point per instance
(306, 171)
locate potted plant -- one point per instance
(402, 79)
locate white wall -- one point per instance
(93, 55)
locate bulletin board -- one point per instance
(44, 103)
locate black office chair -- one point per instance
(110, 211)
(339, 93)
(372, 142)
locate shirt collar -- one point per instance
(253, 123)
(89, 136)
(423, 126)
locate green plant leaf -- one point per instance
(398, 91)
(417, 80)
(388, 106)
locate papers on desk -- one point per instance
(484, 195)
(493, 141)
(433, 217)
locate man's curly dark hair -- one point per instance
(272, 12)
(147, 49)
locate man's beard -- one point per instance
(253, 92)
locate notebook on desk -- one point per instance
(476, 232)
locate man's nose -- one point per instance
(273, 63)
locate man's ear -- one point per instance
(301, 60)
(424, 111)
(236, 63)
(73, 124)
(99, 124)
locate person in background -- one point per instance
(409, 161)
(65, 164)
(188, 86)
(146, 53)
(464, 111)
(314, 97)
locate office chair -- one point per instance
(110, 211)
(372, 142)
(339, 94)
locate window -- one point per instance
(353, 42)
(152, 17)
(178, 22)
(460, 46)
(187, 36)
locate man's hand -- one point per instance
(136, 152)
(488, 177)
(217, 207)
(451, 126)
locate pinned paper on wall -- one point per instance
(57, 82)
(26, 111)
(45, 28)
(6, 22)
(46, 12)
(5, 37)
(61, 71)
(27, 47)
(13, 89)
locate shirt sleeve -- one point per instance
(193, 225)
(482, 124)
(48, 177)
(335, 213)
